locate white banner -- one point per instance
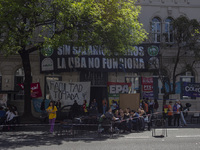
(68, 92)
(3, 99)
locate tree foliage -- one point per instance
(112, 24)
(186, 44)
(30, 25)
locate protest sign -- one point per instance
(114, 90)
(68, 92)
(191, 89)
(35, 90)
(3, 99)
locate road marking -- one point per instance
(79, 139)
(137, 137)
(168, 129)
(187, 136)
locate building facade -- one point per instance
(156, 16)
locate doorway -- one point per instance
(98, 93)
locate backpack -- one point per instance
(175, 108)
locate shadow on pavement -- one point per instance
(36, 136)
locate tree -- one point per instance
(186, 44)
(31, 25)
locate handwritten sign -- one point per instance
(3, 99)
(68, 92)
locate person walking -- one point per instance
(181, 114)
(170, 113)
(52, 115)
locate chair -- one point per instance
(159, 124)
(195, 116)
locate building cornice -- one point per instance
(170, 3)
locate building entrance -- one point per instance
(98, 86)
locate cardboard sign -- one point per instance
(131, 101)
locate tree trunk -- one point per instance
(27, 83)
(174, 70)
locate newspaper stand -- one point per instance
(160, 125)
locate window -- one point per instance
(169, 37)
(156, 30)
(19, 78)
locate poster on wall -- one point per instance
(35, 89)
(3, 99)
(115, 89)
(37, 104)
(68, 92)
(147, 87)
(191, 89)
(66, 58)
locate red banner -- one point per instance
(35, 89)
(147, 83)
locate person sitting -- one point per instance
(135, 120)
(16, 114)
(141, 113)
(126, 113)
(117, 114)
(2, 115)
(10, 117)
(113, 106)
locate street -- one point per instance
(177, 139)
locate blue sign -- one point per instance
(37, 104)
(191, 89)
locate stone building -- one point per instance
(156, 16)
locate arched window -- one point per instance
(156, 30)
(169, 36)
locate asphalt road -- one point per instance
(177, 139)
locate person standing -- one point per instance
(42, 106)
(176, 110)
(94, 105)
(170, 113)
(58, 104)
(156, 105)
(52, 115)
(104, 104)
(85, 107)
(151, 106)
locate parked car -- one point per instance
(68, 112)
